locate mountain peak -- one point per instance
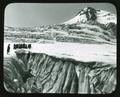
(89, 12)
(88, 8)
(92, 15)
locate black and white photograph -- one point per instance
(60, 48)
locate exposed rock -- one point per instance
(55, 75)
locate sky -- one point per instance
(37, 14)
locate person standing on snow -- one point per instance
(8, 49)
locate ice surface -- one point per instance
(77, 51)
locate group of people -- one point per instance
(19, 46)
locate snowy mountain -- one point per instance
(98, 23)
(77, 56)
(83, 31)
(91, 14)
(89, 26)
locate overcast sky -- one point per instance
(36, 14)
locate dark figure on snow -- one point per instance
(14, 46)
(8, 49)
(29, 46)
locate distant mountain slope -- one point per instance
(99, 21)
(92, 14)
(89, 26)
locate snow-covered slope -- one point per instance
(103, 17)
(90, 26)
(98, 24)
(79, 52)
